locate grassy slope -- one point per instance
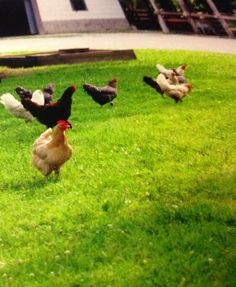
(148, 198)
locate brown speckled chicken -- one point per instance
(176, 92)
(102, 95)
(51, 150)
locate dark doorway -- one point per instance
(140, 15)
(13, 18)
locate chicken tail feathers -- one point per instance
(30, 106)
(91, 90)
(9, 101)
(153, 84)
(161, 68)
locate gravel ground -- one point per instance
(131, 40)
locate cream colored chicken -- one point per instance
(179, 70)
(176, 92)
(51, 150)
(168, 73)
(15, 107)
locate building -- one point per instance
(25, 17)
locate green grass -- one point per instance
(148, 198)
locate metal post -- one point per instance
(187, 14)
(221, 20)
(160, 19)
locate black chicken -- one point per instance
(49, 114)
(102, 95)
(152, 83)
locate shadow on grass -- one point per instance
(28, 187)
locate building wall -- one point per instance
(102, 15)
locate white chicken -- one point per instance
(176, 92)
(51, 150)
(168, 73)
(15, 107)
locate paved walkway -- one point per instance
(147, 40)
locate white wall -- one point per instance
(61, 10)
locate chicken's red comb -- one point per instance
(65, 123)
(74, 88)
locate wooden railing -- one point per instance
(154, 16)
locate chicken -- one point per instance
(48, 93)
(48, 115)
(176, 92)
(15, 107)
(51, 150)
(38, 97)
(179, 73)
(180, 70)
(24, 93)
(152, 83)
(102, 95)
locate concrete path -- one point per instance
(147, 40)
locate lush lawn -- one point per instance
(148, 198)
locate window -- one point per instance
(78, 5)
